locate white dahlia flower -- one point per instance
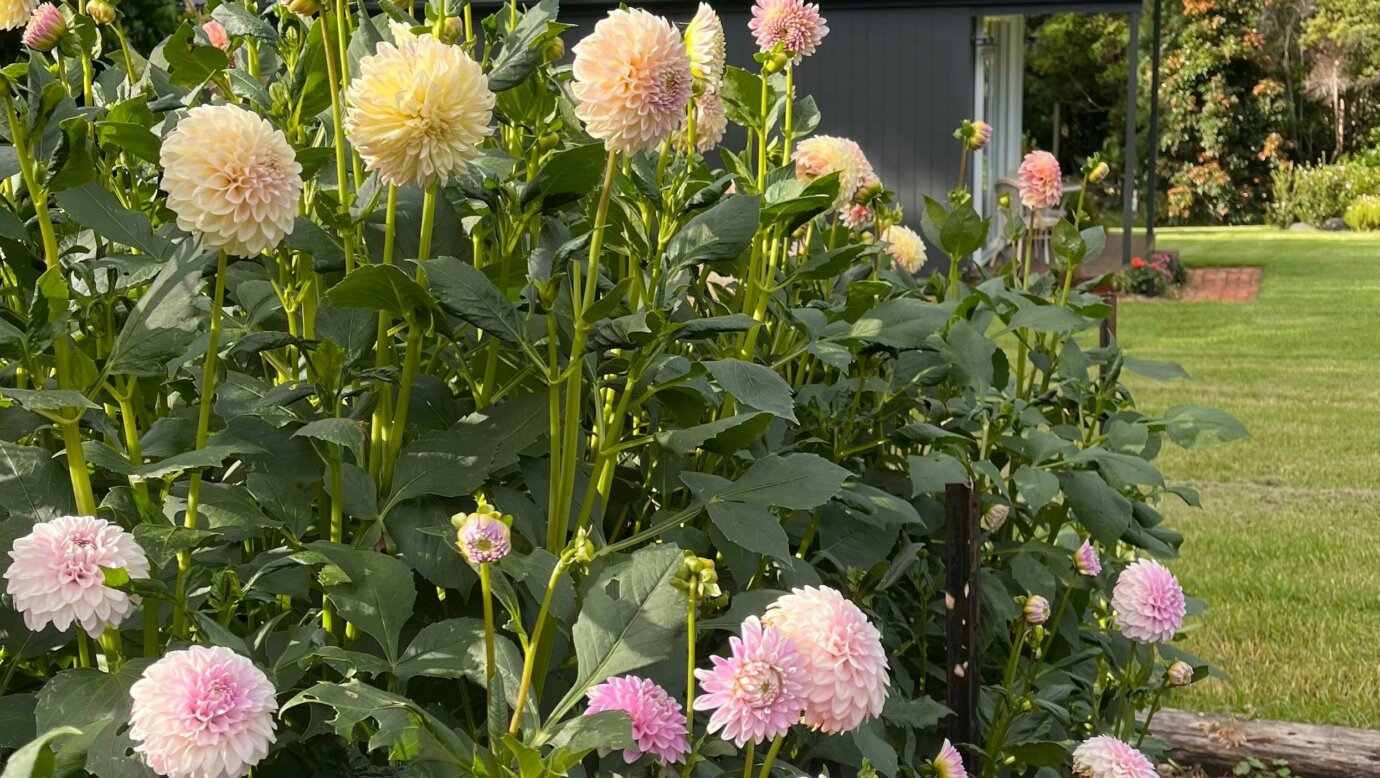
(15, 13)
(704, 42)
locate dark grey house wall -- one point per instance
(896, 80)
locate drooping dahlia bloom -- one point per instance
(1180, 673)
(1040, 181)
(56, 574)
(483, 537)
(418, 110)
(202, 712)
(949, 763)
(15, 13)
(632, 80)
(758, 692)
(906, 247)
(824, 154)
(1107, 757)
(232, 179)
(705, 44)
(855, 215)
(45, 28)
(1086, 561)
(1036, 610)
(846, 676)
(995, 517)
(794, 24)
(982, 135)
(658, 721)
(1149, 602)
(710, 123)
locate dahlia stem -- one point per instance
(203, 424)
(469, 27)
(788, 130)
(486, 588)
(113, 646)
(693, 593)
(337, 527)
(428, 222)
(383, 350)
(333, 76)
(771, 755)
(83, 649)
(409, 374)
(748, 758)
(71, 430)
(530, 658)
(762, 135)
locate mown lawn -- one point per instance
(1286, 549)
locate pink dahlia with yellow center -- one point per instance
(202, 712)
(949, 763)
(232, 179)
(658, 721)
(757, 692)
(45, 28)
(56, 576)
(632, 80)
(794, 25)
(846, 675)
(1149, 602)
(706, 46)
(1107, 757)
(1041, 184)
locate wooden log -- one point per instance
(963, 539)
(1221, 742)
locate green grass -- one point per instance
(1286, 549)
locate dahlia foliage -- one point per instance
(422, 395)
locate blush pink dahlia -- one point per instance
(658, 722)
(1107, 757)
(45, 28)
(1179, 674)
(794, 25)
(949, 763)
(1036, 610)
(1086, 560)
(758, 692)
(845, 665)
(824, 154)
(632, 80)
(1040, 181)
(483, 537)
(202, 713)
(217, 34)
(1149, 602)
(56, 574)
(710, 124)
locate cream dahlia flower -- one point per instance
(56, 574)
(418, 110)
(232, 179)
(15, 13)
(704, 42)
(825, 154)
(632, 80)
(905, 246)
(710, 124)
(794, 25)
(846, 676)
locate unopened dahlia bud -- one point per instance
(452, 30)
(1086, 561)
(777, 63)
(303, 7)
(483, 536)
(100, 11)
(1004, 200)
(45, 28)
(982, 135)
(1180, 674)
(1036, 610)
(554, 50)
(581, 550)
(996, 516)
(1099, 172)
(700, 574)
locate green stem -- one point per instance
(772, 752)
(690, 662)
(748, 759)
(337, 535)
(409, 374)
(428, 221)
(788, 130)
(529, 660)
(112, 645)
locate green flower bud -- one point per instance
(554, 50)
(303, 7)
(100, 11)
(778, 62)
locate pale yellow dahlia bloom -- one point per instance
(418, 110)
(710, 124)
(824, 154)
(905, 246)
(232, 179)
(704, 42)
(632, 80)
(15, 13)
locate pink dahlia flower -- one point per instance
(632, 80)
(824, 154)
(56, 575)
(1036, 610)
(949, 763)
(1107, 757)
(484, 538)
(845, 665)
(855, 215)
(217, 34)
(202, 713)
(1040, 181)
(1086, 560)
(658, 722)
(795, 25)
(1149, 602)
(45, 28)
(758, 692)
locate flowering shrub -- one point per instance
(1312, 194)
(1364, 213)
(381, 401)
(1162, 276)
